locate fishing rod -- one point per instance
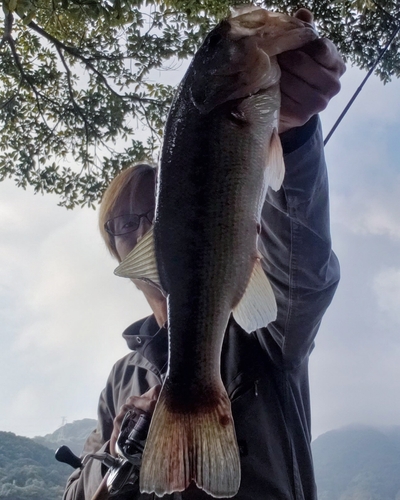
(382, 53)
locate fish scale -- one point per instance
(221, 151)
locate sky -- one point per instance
(62, 311)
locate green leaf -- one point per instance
(81, 102)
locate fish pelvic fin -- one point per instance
(258, 306)
(185, 447)
(141, 263)
(275, 168)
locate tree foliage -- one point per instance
(81, 81)
(29, 470)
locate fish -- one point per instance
(220, 154)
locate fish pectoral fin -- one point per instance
(141, 263)
(257, 307)
(185, 446)
(275, 168)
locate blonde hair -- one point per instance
(127, 179)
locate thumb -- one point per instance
(305, 15)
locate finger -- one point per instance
(121, 414)
(102, 492)
(147, 401)
(299, 95)
(117, 423)
(324, 52)
(299, 101)
(305, 15)
(141, 403)
(125, 408)
(307, 99)
(299, 69)
(151, 394)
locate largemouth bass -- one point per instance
(221, 152)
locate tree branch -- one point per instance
(379, 7)
(8, 24)
(72, 98)
(8, 101)
(152, 129)
(24, 76)
(7, 38)
(73, 51)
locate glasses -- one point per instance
(127, 223)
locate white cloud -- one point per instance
(65, 312)
(387, 290)
(369, 210)
(354, 369)
(375, 105)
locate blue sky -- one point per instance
(355, 374)
(62, 310)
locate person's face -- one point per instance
(138, 201)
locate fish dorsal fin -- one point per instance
(275, 170)
(141, 263)
(257, 307)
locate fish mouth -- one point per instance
(276, 32)
(237, 58)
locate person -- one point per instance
(265, 373)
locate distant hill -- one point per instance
(352, 463)
(358, 463)
(72, 435)
(28, 470)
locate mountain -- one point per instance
(352, 463)
(72, 435)
(28, 470)
(358, 463)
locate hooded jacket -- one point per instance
(265, 372)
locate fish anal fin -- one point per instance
(257, 307)
(275, 168)
(191, 447)
(141, 263)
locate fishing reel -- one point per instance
(123, 470)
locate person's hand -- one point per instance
(310, 78)
(143, 404)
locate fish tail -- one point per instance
(185, 447)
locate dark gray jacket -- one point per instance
(266, 372)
